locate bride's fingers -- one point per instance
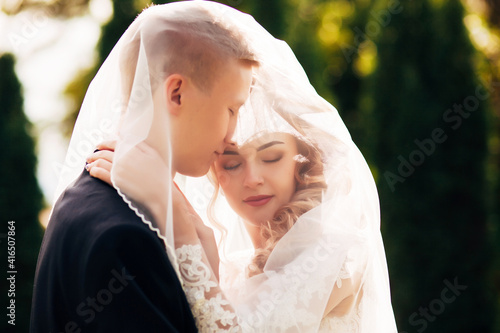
(101, 174)
(107, 145)
(101, 154)
(100, 169)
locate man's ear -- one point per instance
(174, 87)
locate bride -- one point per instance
(307, 272)
(305, 197)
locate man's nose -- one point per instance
(231, 127)
(228, 139)
(224, 146)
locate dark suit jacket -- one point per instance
(101, 269)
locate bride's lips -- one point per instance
(258, 200)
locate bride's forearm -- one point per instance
(208, 303)
(190, 229)
(207, 240)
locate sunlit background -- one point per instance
(417, 83)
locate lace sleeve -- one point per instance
(211, 310)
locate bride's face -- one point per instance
(258, 178)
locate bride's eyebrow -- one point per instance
(264, 146)
(269, 144)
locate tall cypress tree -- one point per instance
(342, 78)
(270, 14)
(428, 125)
(492, 70)
(20, 200)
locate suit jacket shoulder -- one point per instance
(101, 269)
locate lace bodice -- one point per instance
(345, 324)
(286, 307)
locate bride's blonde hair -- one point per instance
(310, 184)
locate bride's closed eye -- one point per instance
(231, 166)
(273, 160)
(271, 156)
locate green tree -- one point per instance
(429, 144)
(20, 197)
(347, 21)
(270, 14)
(491, 72)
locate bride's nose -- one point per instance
(253, 176)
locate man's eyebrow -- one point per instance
(269, 144)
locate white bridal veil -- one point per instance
(334, 246)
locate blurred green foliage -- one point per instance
(20, 197)
(428, 134)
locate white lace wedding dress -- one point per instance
(213, 311)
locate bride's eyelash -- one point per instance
(273, 160)
(232, 167)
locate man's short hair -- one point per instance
(197, 46)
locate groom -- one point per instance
(100, 268)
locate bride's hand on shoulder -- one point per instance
(99, 162)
